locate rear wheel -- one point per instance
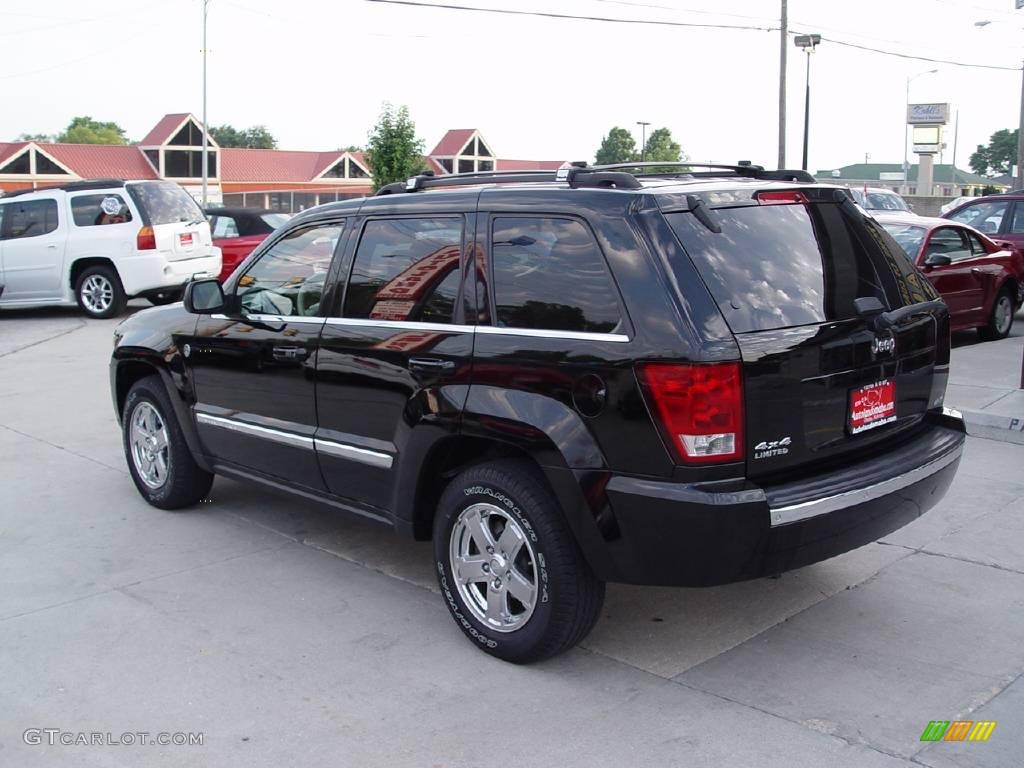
(510, 571)
(159, 459)
(99, 292)
(1001, 320)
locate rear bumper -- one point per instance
(707, 534)
(144, 273)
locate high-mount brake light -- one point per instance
(781, 198)
(699, 408)
(146, 239)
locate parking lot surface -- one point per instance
(288, 635)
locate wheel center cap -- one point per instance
(498, 565)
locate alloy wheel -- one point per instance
(97, 293)
(494, 567)
(149, 448)
(1003, 314)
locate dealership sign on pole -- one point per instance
(927, 114)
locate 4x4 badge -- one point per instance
(768, 448)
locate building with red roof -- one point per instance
(279, 179)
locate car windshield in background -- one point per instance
(776, 266)
(274, 220)
(163, 202)
(908, 236)
(880, 201)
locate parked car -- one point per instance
(562, 379)
(99, 243)
(879, 200)
(1000, 217)
(982, 282)
(237, 231)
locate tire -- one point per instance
(547, 569)
(167, 476)
(99, 292)
(1000, 320)
(164, 297)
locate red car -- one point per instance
(980, 280)
(237, 231)
(1000, 217)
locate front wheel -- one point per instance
(158, 457)
(509, 569)
(1001, 320)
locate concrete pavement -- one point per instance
(289, 635)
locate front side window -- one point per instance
(406, 269)
(31, 218)
(549, 274)
(977, 247)
(984, 217)
(948, 242)
(288, 279)
(99, 210)
(1017, 226)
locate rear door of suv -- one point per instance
(176, 222)
(396, 349)
(822, 383)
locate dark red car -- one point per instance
(982, 281)
(1000, 217)
(237, 231)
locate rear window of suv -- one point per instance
(164, 202)
(777, 266)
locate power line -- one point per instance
(662, 23)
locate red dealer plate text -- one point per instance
(872, 406)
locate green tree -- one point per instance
(998, 157)
(85, 130)
(618, 146)
(254, 137)
(44, 137)
(660, 147)
(393, 151)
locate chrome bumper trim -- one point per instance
(286, 438)
(807, 509)
(362, 455)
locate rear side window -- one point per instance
(99, 210)
(406, 269)
(776, 266)
(163, 202)
(549, 274)
(31, 218)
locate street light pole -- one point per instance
(643, 139)
(808, 43)
(783, 42)
(205, 134)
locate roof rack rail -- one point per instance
(577, 175)
(580, 175)
(743, 168)
(70, 186)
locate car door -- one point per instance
(253, 369)
(394, 362)
(958, 282)
(34, 237)
(1014, 232)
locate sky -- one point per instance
(316, 72)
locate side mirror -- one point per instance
(937, 260)
(204, 297)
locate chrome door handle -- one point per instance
(430, 364)
(52, 245)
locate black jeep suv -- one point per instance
(563, 379)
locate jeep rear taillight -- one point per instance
(699, 408)
(146, 239)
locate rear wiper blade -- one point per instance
(700, 209)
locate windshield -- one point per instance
(908, 236)
(885, 201)
(163, 202)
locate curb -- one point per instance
(1006, 429)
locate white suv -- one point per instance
(99, 243)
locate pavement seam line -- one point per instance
(923, 551)
(44, 441)
(81, 324)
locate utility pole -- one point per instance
(783, 35)
(1020, 137)
(205, 133)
